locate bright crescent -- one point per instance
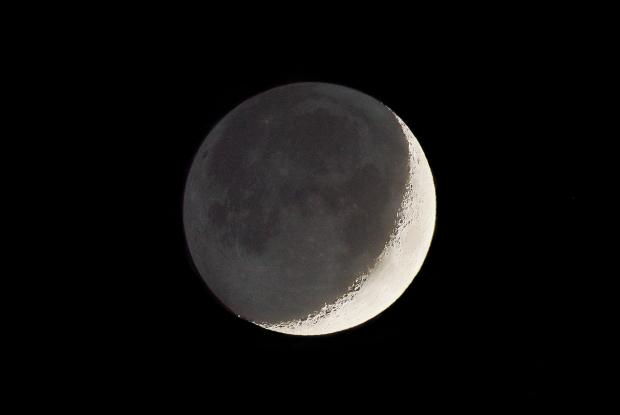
(397, 265)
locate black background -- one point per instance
(486, 316)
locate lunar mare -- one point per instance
(309, 208)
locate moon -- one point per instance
(309, 209)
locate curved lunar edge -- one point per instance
(247, 230)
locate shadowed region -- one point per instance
(292, 196)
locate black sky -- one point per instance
(489, 313)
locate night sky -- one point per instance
(492, 310)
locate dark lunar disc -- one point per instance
(292, 196)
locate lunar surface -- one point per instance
(309, 208)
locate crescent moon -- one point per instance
(309, 209)
(397, 265)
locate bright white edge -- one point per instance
(395, 268)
